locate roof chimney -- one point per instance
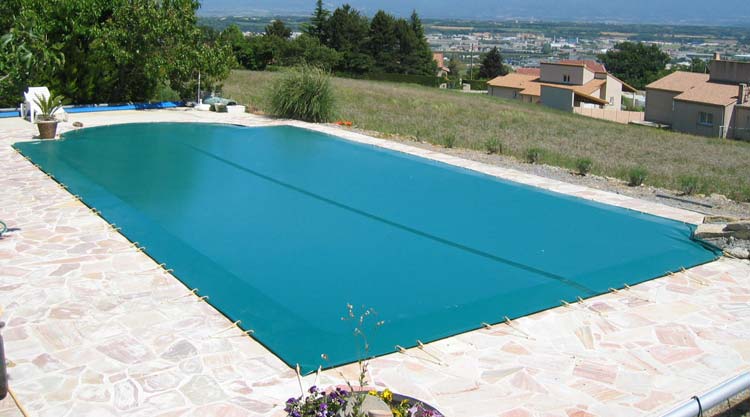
(742, 95)
(717, 56)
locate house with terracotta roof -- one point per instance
(439, 59)
(714, 105)
(564, 85)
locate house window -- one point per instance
(566, 78)
(611, 101)
(706, 119)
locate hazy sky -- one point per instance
(653, 11)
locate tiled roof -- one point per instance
(513, 80)
(696, 87)
(679, 81)
(711, 93)
(529, 71)
(531, 86)
(591, 65)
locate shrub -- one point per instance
(534, 155)
(583, 165)
(48, 106)
(303, 93)
(689, 184)
(493, 145)
(449, 140)
(636, 176)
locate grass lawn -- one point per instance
(470, 120)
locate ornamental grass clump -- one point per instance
(636, 176)
(304, 93)
(689, 184)
(534, 155)
(493, 146)
(583, 166)
(449, 140)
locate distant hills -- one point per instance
(721, 12)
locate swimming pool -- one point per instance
(283, 227)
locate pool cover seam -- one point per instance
(391, 223)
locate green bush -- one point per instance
(534, 155)
(166, 93)
(493, 145)
(689, 184)
(636, 176)
(304, 93)
(583, 166)
(449, 140)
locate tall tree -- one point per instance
(278, 28)
(636, 63)
(383, 42)
(348, 34)
(318, 25)
(492, 65)
(417, 57)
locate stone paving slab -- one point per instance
(97, 328)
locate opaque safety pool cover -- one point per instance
(283, 227)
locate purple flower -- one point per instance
(313, 389)
(323, 406)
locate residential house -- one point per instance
(564, 85)
(439, 59)
(714, 105)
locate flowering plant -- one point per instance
(317, 404)
(404, 408)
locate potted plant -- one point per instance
(45, 120)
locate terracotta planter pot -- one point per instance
(47, 129)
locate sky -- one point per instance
(717, 12)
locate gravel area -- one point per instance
(714, 204)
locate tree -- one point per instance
(383, 42)
(492, 65)
(547, 49)
(243, 53)
(418, 57)
(318, 26)
(636, 63)
(277, 28)
(698, 65)
(307, 50)
(455, 66)
(348, 34)
(111, 50)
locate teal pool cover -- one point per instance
(283, 227)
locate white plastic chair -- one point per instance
(30, 105)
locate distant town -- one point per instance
(528, 43)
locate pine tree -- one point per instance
(278, 28)
(492, 65)
(318, 25)
(420, 58)
(383, 44)
(347, 32)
